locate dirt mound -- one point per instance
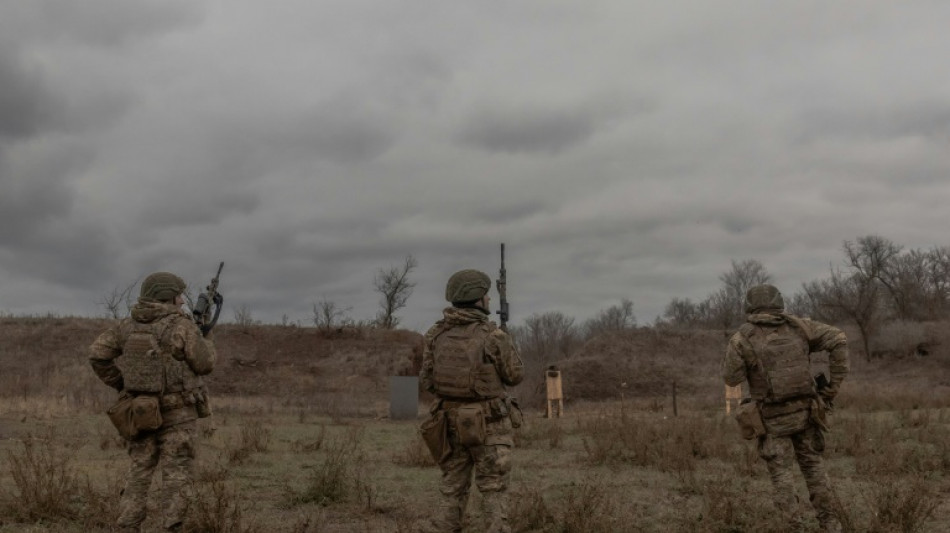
(642, 363)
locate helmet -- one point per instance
(763, 297)
(162, 286)
(467, 286)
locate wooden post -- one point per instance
(552, 379)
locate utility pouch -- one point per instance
(202, 407)
(134, 415)
(470, 423)
(750, 420)
(435, 433)
(514, 413)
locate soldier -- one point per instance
(772, 352)
(158, 351)
(467, 362)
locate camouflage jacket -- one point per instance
(740, 358)
(182, 338)
(499, 348)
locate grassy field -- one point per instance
(603, 467)
(322, 456)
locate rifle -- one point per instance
(502, 285)
(202, 310)
(821, 383)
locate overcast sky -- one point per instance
(620, 149)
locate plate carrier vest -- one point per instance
(783, 371)
(459, 367)
(149, 369)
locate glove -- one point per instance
(218, 299)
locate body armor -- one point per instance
(142, 367)
(459, 367)
(783, 369)
(149, 366)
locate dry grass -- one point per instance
(300, 443)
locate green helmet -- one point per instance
(162, 286)
(763, 297)
(466, 286)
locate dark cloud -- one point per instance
(527, 128)
(624, 150)
(923, 119)
(101, 23)
(26, 104)
(34, 192)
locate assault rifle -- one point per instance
(822, 383)
(202, 310)
(502, 285)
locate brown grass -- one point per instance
(300, 441)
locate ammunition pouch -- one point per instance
(435, 433)
(470, 425)
(749, 419)
(517, 417)
(135, 415)
(202, 406)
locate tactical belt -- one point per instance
(174, 400)
(455, 403)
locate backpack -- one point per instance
(783, 371)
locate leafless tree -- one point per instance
(395, 289)
(243, 318)
(544, 338)
(119, 301)
(614, 318)
(681, 312)
(744, 275)
(326, 314)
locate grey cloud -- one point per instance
(196, 204)
(507, 211)
(26, 103)
(63, 252)
(528, 128)
(102, 23)
(34, 188)
(927, 119)
(344, 129)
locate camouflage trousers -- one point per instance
(491, 465)
(174, 448)
(805, 448)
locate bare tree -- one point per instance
(682, 313)
(327, 314)
(118, 302)
(744, 275)
(544, 338)
(243, 318)
(724, 311)
(395, 288)
(614, 318)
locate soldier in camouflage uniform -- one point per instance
(772, 352)
(467, 362)
(158, 351)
